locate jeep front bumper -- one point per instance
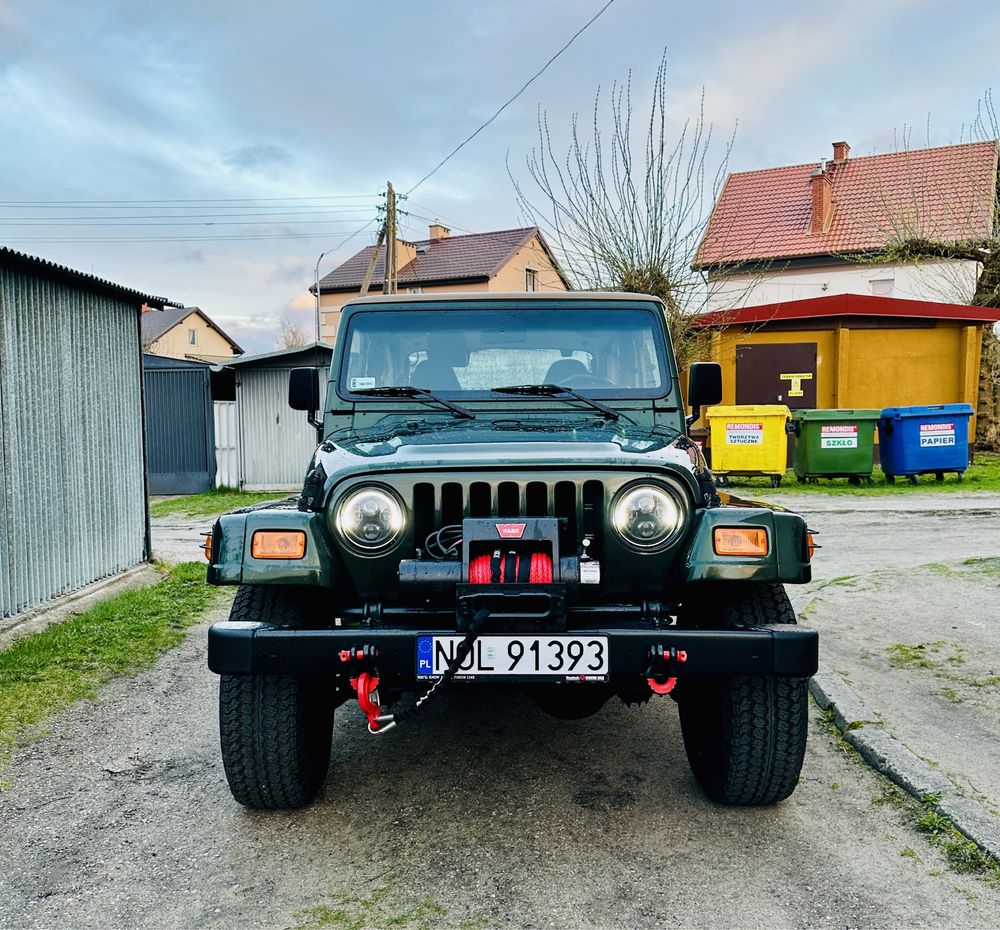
(240, 648)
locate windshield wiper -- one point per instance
(557, 390)
(418, 393)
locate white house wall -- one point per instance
(938, 281)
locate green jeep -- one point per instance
(505, 493)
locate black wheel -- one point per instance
(275, 729)
(854, 479)
(800, 479)
(745, 736)
(912, 479)
(939, 476)
(775, 481)
(890, 479)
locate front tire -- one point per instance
(745, 736)
(275, 730)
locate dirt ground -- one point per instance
(483, 812)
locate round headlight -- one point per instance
(370, 518)
(648, 515)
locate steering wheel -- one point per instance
(585, 381)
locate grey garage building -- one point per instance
(73, 504)
(274, 442)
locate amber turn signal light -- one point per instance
(740, 540)
(278, 544)
(811, 544)
(206, 545)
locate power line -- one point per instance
(278, 222)
(68, 239)
(204, 200)
(525, 86)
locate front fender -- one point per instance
(233, 562)
(787, 559)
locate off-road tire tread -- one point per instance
(275, 729)
(746, 736)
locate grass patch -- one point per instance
(69, 661)
(377, 909)
(924, 655)
(211, 502)
(983, 475)
(963, 856)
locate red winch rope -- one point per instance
(481, 569)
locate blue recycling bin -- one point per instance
(924, 440)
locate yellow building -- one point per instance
(186, 332)
(848, 351)
(504, 260)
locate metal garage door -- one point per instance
(180, 435)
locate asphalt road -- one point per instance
(906, 596)
(481, 813)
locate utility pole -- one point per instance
(389, 279)
(371, 264)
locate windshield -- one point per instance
(610, 351)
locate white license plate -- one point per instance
(571, 658)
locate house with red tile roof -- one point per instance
(808, 231)
(504, 260)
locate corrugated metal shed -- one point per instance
(179, 428)
(72, 485)
(274, 442)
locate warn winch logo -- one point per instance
(510, 530)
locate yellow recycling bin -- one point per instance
(749, 439)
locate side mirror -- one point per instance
(704, 387)
(303, 389)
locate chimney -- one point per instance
(822, 201)
(405, 253)
(840, 152)
(439, 232)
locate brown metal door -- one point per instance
(783, 373)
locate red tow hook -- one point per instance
(662, 660)
(366, 686)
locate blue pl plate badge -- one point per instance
(425, 655)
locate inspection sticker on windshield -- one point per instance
(362, 384)
(744, 434)
(937, 434)
(839, 436)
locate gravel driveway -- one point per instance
(483, 812)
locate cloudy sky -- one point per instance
(231, 143)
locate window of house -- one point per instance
(882, 287)
(530, 279)
(415, 290)
(193, 337)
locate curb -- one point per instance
(887, 755)
(65, 606)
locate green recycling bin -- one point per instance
(834, 444)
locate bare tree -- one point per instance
(291, 335)
(624, 213)
(955, 219)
